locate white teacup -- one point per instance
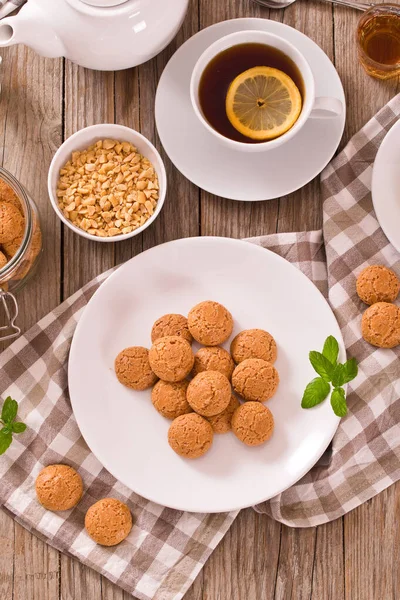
(313, 107)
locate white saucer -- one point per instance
(229, 173)
(386, 186)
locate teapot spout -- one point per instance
(31, 28)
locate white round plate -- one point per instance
(230, 173)
(121, 426)
(386, 185)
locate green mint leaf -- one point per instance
(18, 427)
(331, 349)
(315, 392)
(5, 440)
(338, 376)
(9, 410)
(350, 370)
(321, 365)
(338, 402)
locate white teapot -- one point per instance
(107, 35)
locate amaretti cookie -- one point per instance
(254, 343)
(209, 393)
(377, 283)
(11, 222)
(190, 436)
(213, 358)
(8, 195)
(171, 324)
(169, 399)
(210, 323)
(171, 358)
(3, 260)
(380, 325)
(255, 379)
(132, 368)
(58, 487)
(108, 522)
(222, 423)
(253, 423)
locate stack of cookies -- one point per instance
(379, 287)
(205, 404)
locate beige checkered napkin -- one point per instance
(166, 549)
(364, 458)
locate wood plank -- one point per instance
(78, 581)
(127, 112)
(372, 542)
(180, 215)
(30, 130)
(296, 560)
(109, 591)
(220, 216)
(36, 568)
(89, 99)
(328, 570)
(244, 565)
(7, 549)
(302, 210)
(134, 106)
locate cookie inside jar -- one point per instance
(20, 233)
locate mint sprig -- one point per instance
(331, 374)
(10, 425)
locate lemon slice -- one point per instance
(263, 103)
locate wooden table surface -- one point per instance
(44, 101)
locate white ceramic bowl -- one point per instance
(86, 137)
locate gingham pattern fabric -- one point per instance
(364, 457)
(166, 549)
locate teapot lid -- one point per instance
(104, 2)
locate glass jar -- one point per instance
(378, 40)
(21, 254)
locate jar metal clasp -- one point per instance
(10, 330)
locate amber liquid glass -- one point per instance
(378, 38)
